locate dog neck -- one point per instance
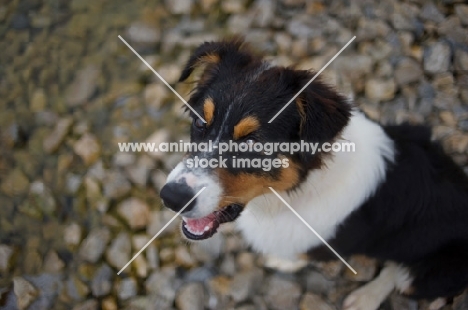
(326, 197)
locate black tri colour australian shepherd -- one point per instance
(397, 198)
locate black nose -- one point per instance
(177, 195)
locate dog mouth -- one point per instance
(205, 227)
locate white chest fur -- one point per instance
(325, 199)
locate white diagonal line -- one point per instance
(313, 230)
(161, 78)
(160, 231)
(315, 76)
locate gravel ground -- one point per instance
(73, 210)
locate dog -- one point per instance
(397, 198)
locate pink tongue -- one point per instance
(198, 225)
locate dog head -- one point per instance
(237, 94)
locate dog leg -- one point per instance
(371, 295)
(284, 265)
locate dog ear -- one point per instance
(213, 54)
(323, 112)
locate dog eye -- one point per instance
(199, 123)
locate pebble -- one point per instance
(162, 283)
(56, 137)
(437, 58)
(53, 263)
(72, 234)
(380, 90)
(116, 184)
(94, 244)
(41, 198)
(142, 33)
(76, 289)
(157, 220)
(282, 294)
(245, 284)
(183, 257)
(25, 292)
(91, 304)
(6, 253)
(15, 183)
(135, 212)
(407, 71)
(461, 302)
(191, 296)
(88, 148)
(461, 60)
(179, 6)
(127, 288)
(462, 12)
(83, 86)
(314, 302)
(118, 253)
(101, 283)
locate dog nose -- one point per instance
(176, 195)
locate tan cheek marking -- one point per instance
(245, 126)
(243, 187)
(208, 110)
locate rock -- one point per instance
(19, 21)
(91, 304)
(116, 184)
(314, 302)
(118, 253)
(228, 265)
(135, 212)
(179, 6)
(122, 159)
(408, 71)
(72, 234)
(430, 12)
(330, 269)
(461, 60)
(127, 288)
(73, 183)
(55, 138)
(319, 284)
(364, 266)
(183, 257)
(6, 253)
(53, 263)
(88, 148)
(263, 12)
(101, 284)
(162, 283)
(158, 219)
(76, 289)
(94, 245)
(25, 292)
(437, 58)
(354, 67)
(109, 303)
(191, 296)
(142, 33)
(83, 86)
(245, 284)
(41, 198)
(233, 6)
(462, 12)
(380, 90)
(282, 294)
(15, 183)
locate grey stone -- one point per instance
(119, 251)
(19, 21)
(142, 33)
(127, 288)
(319, 284)
(101, 283)
(408, 71)
(135, 212)
(55, 138)
(6, 253)
(430, 12)
(191, 296)
(437, 58)
(245, 284)
(94, 245)
(41, 198)
(116, 184)
(282, 294)
(462, 12)
(76, 289)
(162, 283)
(314, 302)
(461, 60)
(83, 86)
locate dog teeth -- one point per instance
(207, 228)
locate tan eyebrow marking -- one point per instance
(245, 126)
(208, 110)
(209, 59)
